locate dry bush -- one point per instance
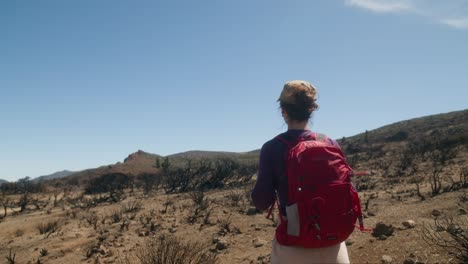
(201, 204)
(248, 192)
(234, 198)
(72, 213)
(132, 207)
(166, 204)
(116, 216)
(365, 182)
(48, 228)
(449, 235)
(169, 249)
(92, 219)
(147, 218)
(19, 232)
(225, 225)
(11, 257)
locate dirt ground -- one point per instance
(247, 238)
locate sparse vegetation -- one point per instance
(449, 235)
(169, 249)
(11, 257)
(48, 228)
(209, 199)
(112, 183)
(200, 205)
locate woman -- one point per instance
(297, 102)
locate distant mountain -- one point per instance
(56, 175)
(3, 181)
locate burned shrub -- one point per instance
(449, 235)
(169, 249)
(112, 183)
(48, 228)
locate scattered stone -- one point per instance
(386, 259)
(221, 244)
(436, 213)
(370, 213)
(257, 228)
(251, 211)
(409, 261)
(258, 242)
(382, 229)
(102, 250)
(349, 242)
(409, 224)
(142, 233)
(382, 237)
(454, 229)
(173, 230)
(263, 259)
(462, 211)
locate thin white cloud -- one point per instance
(452, 13)
(460, 23)
(381, 6)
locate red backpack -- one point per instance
(323, 205)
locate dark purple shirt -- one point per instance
(271, 178)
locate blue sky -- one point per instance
(85, 83)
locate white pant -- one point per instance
(297, 255)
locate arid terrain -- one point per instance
(415, 198)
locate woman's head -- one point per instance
(298, 100)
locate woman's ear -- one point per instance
(284, 114)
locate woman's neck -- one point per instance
(302, 125)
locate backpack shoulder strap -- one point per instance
(283, 140)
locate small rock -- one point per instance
(382, 237)
(258, 242)
(173, 230)
(409, 224)
(143, 233)
(462, 211)
(409, 261)
(221, 244)
(257, 228)
(251, 211)
(382, 229)
(102, 250)
(370, 213)
(436, 212)
(386, 259)
(454, 229)
(349, 242)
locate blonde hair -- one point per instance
(298, 99)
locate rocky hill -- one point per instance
(453, 125)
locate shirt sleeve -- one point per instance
(263, 194)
